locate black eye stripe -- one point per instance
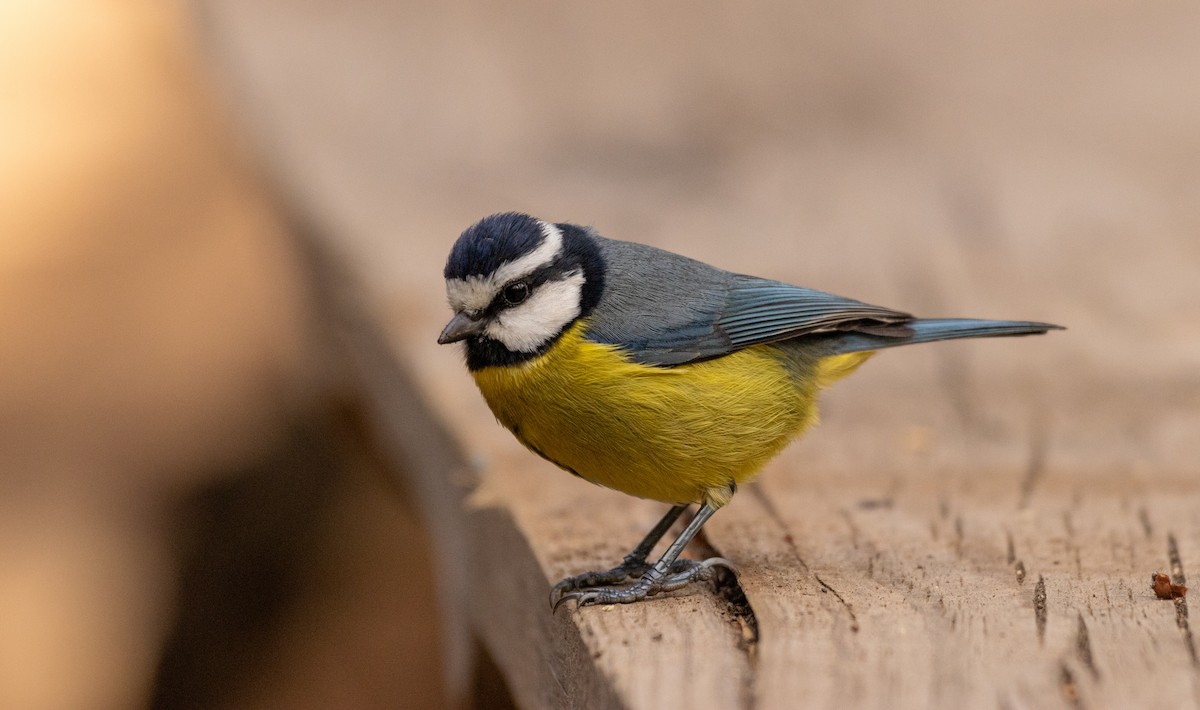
(554, 271)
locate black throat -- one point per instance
(580, 251)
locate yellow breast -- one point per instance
(678, 434)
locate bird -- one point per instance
(655, 374)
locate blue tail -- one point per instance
(929, 330)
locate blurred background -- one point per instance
(210, 210)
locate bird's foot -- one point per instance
(630, 568)
(651, 582)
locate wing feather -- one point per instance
(758, 311)
(666, 309)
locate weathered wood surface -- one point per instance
(973, 524)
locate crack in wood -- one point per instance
(1144, 519)
(1035, 468)
(729, 588)
(730, 591)
(1083, 648)
(1181, 609)
(1175, 560)
(1039, 608)
(1070, 689)
(884, 503)
(769, 507)
(837, 595)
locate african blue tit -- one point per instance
(654, 374)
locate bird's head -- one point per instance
(516, 284)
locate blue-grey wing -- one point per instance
(666, 309)
(761, 311)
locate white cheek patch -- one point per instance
(547, 311)
(474, 293)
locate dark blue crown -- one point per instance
(490, 242)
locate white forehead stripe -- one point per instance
(545, 254)
(474, 293)
(548, 310)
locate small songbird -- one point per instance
(655, 374)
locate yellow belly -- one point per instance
(678, 435)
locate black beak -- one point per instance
(461, 327)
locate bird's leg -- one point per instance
(667, 574)
(634, 564)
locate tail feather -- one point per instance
(931, 329)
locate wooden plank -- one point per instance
(894, 600)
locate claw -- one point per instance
(720, 562)
(559, 592)
(581, 599)
(554, 603)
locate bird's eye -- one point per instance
(515, 293)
